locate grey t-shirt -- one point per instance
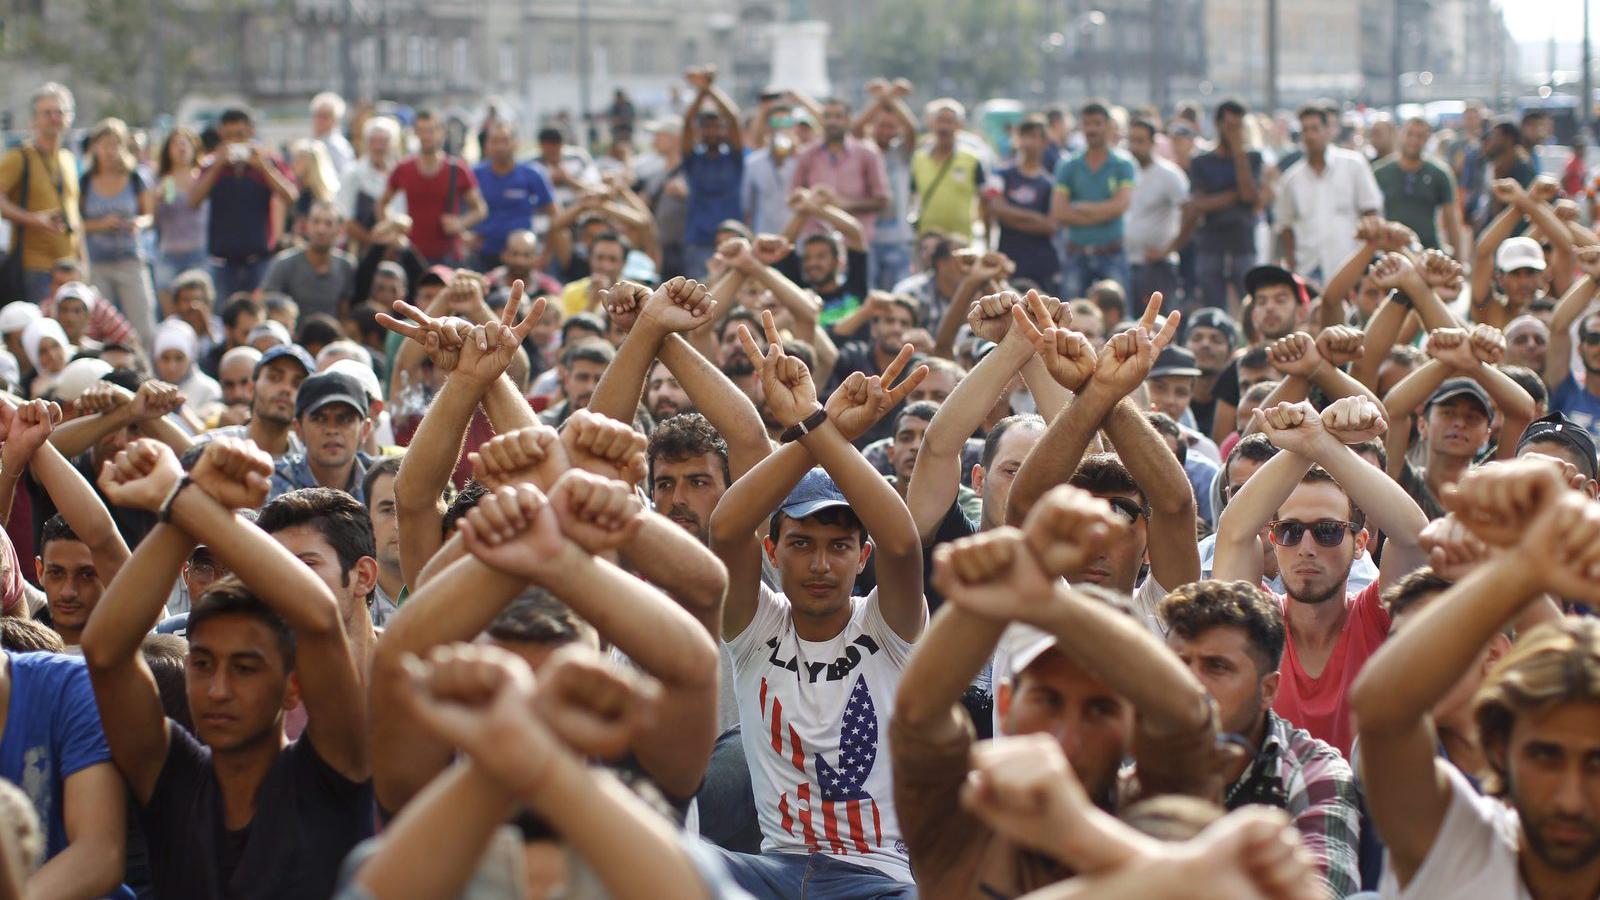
(1155, 210)
(316, 292)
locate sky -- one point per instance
(1537, 20)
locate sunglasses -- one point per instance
(1126, 508)
(1591, 337)
(1327, 532)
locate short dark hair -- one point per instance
(991, 441)
(1147, 125)
(598, 352)
(583, 321)
(318, 329)
(1412, 589)
(389, 465)
(342, 521)
(1165, 424)
(1376, 448)
(228, 596)
(1229, 107)
(233, 115)
(922, 409)
(462, 503)
(1255, 447)
(1032, 125)
(612, 236)
(1319, 475)
(21, 635)
(167, 657)
(1200, 606)
(238, 306)
(822, 237)
(1254, 358)
(1313, 110)
(684, 436)
(1529, 381)
(56, 529)
(551, 136)
(1095, 108)
(537, 616)
(1104, 473)
(1510, 129)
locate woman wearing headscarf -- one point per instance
(176, 349)
(45, 345)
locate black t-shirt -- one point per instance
(1227, 386)
(308, 817)
(132, 524)
(953, 527)
(842, 297)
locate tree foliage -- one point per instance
(967, 49)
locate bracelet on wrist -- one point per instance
(805, 426)
(165, 513)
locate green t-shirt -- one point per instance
(1412, 198)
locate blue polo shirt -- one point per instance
(714, 180)
(1080, 183)
(512, 199)
(52, 732)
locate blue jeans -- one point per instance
(891, 263)
(1215, 271)
(814, 876)
(1084, 269)
(694, 260)
(36, 285)
(1147, 278)
(727, 808)
(170, 265)
(232, 277)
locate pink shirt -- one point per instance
(855, 172)
(1321, 705)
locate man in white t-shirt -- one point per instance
(1536, 835)
(815, 669)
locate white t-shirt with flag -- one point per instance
(815, 723)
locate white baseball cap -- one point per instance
(1519, 253)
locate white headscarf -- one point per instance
(176, 334)
(36, 332)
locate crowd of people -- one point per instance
(820, 503)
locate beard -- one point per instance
(1314, 594)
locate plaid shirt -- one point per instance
(1311, 781)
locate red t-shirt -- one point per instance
(1321, 705)
(428, 198)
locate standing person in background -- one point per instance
(441, 195)
(1419, 192)
(845, 172)
(768, 172)
(713, 164)
(1022, 207)
(944, 175)
(47, 224)
(1222, 209)
(180, 228)
(313, 171)
(513, 192)
(1322, 199)
(894, 132)
(327, 118)
(116, 207)
(242, 179)
(367, 181)
(1093, 191)
(1155, 216)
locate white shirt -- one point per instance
(1155, 211)
(815, 725)
(1324, 209)
(364, 179)
(1474, 855)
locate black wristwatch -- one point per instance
(804, 427)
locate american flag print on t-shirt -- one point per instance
(849, 814)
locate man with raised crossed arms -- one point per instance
(815, 669)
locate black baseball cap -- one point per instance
(1461, 387)
(324, 388)
(1175, 360)
(1262, 276)
(1211, 317)
(279, 351)
(1556, 428)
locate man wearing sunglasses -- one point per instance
(1312, 500)
(1579, 400)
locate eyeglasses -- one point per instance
(1326, 532)
(1126, 508)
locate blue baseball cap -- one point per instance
(279, 351)
(815, 493)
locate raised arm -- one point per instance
(1558, 356)
(676, 306)
(728, 410)
(1549, 532)
(555, 544)
(1508, 192)
(141, 477)
(112, 407)
(27, 445)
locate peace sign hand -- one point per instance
(791, 395)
